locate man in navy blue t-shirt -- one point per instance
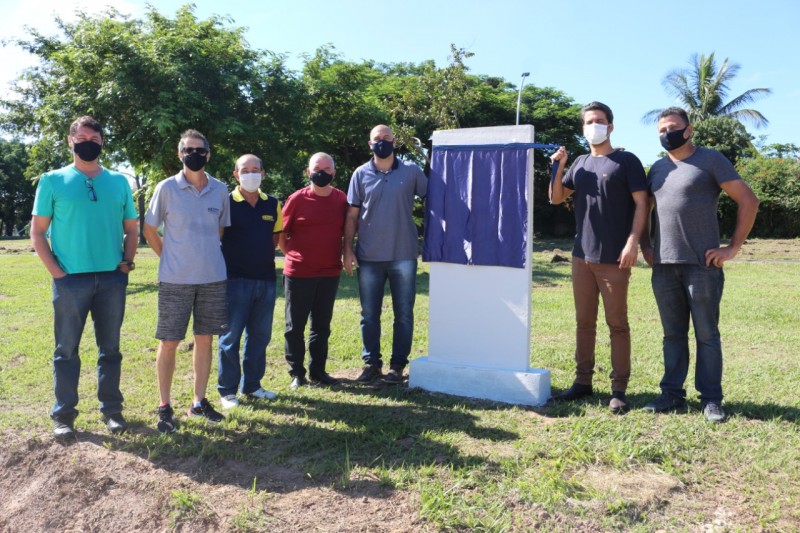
(248, 246)
(610, 201)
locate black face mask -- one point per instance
(194, 161)
(87, 150)
(672, 140)
(383, 148)
(321, 178)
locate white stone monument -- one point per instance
(479, 316)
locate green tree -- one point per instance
(339, 111)
(16, 192)
(147, 81)
(702, 90)
(726, 135)
(776, 183)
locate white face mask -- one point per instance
(595, 133)
(250, 182)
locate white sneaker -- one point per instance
(261, 394)
(229, 401)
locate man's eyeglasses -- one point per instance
(92, 194)
(191, 150)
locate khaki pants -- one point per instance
(588, 281)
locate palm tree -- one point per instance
(703, 88)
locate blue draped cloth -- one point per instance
(476, 206)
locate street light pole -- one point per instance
(519, 95)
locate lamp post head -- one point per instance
(526, 74)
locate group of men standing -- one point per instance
(217, 266)
(217, 263)
(613, 199)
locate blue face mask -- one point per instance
(383, 148)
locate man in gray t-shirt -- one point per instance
(687, 258)
(381, 198)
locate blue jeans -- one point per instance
(251, 303)
(683, 292)
(372, 276)
(75, 296)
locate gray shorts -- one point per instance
(206, 302)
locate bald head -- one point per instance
(381, 132)
(321, 161)
(249, 163)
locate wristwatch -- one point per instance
(130, 264)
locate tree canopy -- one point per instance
(702, 90)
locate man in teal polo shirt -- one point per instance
(248, 246)
(89, 215)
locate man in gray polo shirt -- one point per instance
(381, 198)
(193, 207)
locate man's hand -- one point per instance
(559, 155)
(628, 257)
(350, 262)
(717, 256)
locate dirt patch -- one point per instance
(87, 487)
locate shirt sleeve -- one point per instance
(354, 196)
(225, 213)
(637, 180)
(43, 201)
(278, 227)
(155, 211)
(130, 206)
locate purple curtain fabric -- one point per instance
(476, 206)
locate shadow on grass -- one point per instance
(316, 439)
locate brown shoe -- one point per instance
(618, 403)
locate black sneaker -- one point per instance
(115, 423)
(166, 420)
(394, 376)
(666, 404)
(63, 429)
(576, 392)
(324, 379)
(206, 411)
(369, 374)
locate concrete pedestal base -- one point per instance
(531, 387)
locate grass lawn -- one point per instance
(460, 464)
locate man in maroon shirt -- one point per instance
(313, 226)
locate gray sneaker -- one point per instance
(63, 430)
(714, 412)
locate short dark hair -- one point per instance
(87, 121)
(193, 134)
(598, 106)
(675, 111)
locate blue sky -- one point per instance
(616, 52)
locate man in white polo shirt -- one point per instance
(193, 207)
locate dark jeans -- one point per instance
(251, 304)
(75, 296)
(304, 297)
(684, 291)
(372, 277)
